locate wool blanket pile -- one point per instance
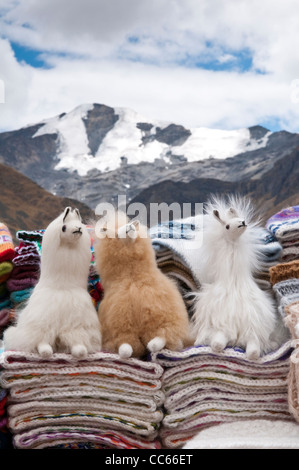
(285, 226)
(7, 252)
(248, 434)
(101, 400)
(204, 389)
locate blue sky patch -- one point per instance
(29, 56)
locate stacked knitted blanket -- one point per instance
(100, 400)
(5, 436)
(204, 389)
(248, 434)
(6, 267)
(285, 226)
(26, 270)
(292, 321)
(175, 243)
(285, 281)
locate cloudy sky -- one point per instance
(214, 63)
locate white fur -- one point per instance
(230, 309)
(60, 316)
(156, 344)
(125, 350)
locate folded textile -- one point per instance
(77, 400)
(203, 389)
(248, 434)
(21, 284)
(285, 226)
(81, 437)
(30, 235)
(26, 253)
(6, 268)
(292, 317)
(5, 436)
(284, 271)
(19, 296)
(286, 292)
(5, 303)
(6, 244)
(293, 379)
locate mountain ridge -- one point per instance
(96, 153)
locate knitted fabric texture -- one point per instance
(65, 399)
(248, 434)
(203, 389)
(286, 292)
(5, 436)
(285, 227)
(6, 244)
(284, 271)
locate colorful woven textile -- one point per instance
(283, 271)
(285, 226)
(71, 400)
(286, 292)
(6, 244)
(203, 389)
(5, 436)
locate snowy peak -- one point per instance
(98, 137)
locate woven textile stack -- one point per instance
(285, 226)
(26, 269)
(6, 267)
(5, 436)
(174, 243)
(203, 389)
(98, 401)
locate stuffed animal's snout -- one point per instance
(77, 231)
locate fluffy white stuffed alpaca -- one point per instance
(60, 316)
(230, 308)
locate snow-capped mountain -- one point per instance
(96, 153)
(137, 140)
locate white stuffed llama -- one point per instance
(231, 309)
(60, 316)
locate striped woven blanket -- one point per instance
(100, 399)
(203, 389)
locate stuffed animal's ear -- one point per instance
(217, 216)
(136, 224)
(101, 229)
(66, 212)
(233, 212)
(78, 214)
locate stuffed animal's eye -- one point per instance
(63, 228)
(227, 227)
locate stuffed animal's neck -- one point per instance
(69, 267)
(228, 261)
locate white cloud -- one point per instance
(141, 54)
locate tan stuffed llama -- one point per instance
(142, 309)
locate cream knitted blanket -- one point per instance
(248, 434)
(99, 394)
(204, 389)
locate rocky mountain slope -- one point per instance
(96, 153)
(24, 205)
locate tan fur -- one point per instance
(140, 302)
